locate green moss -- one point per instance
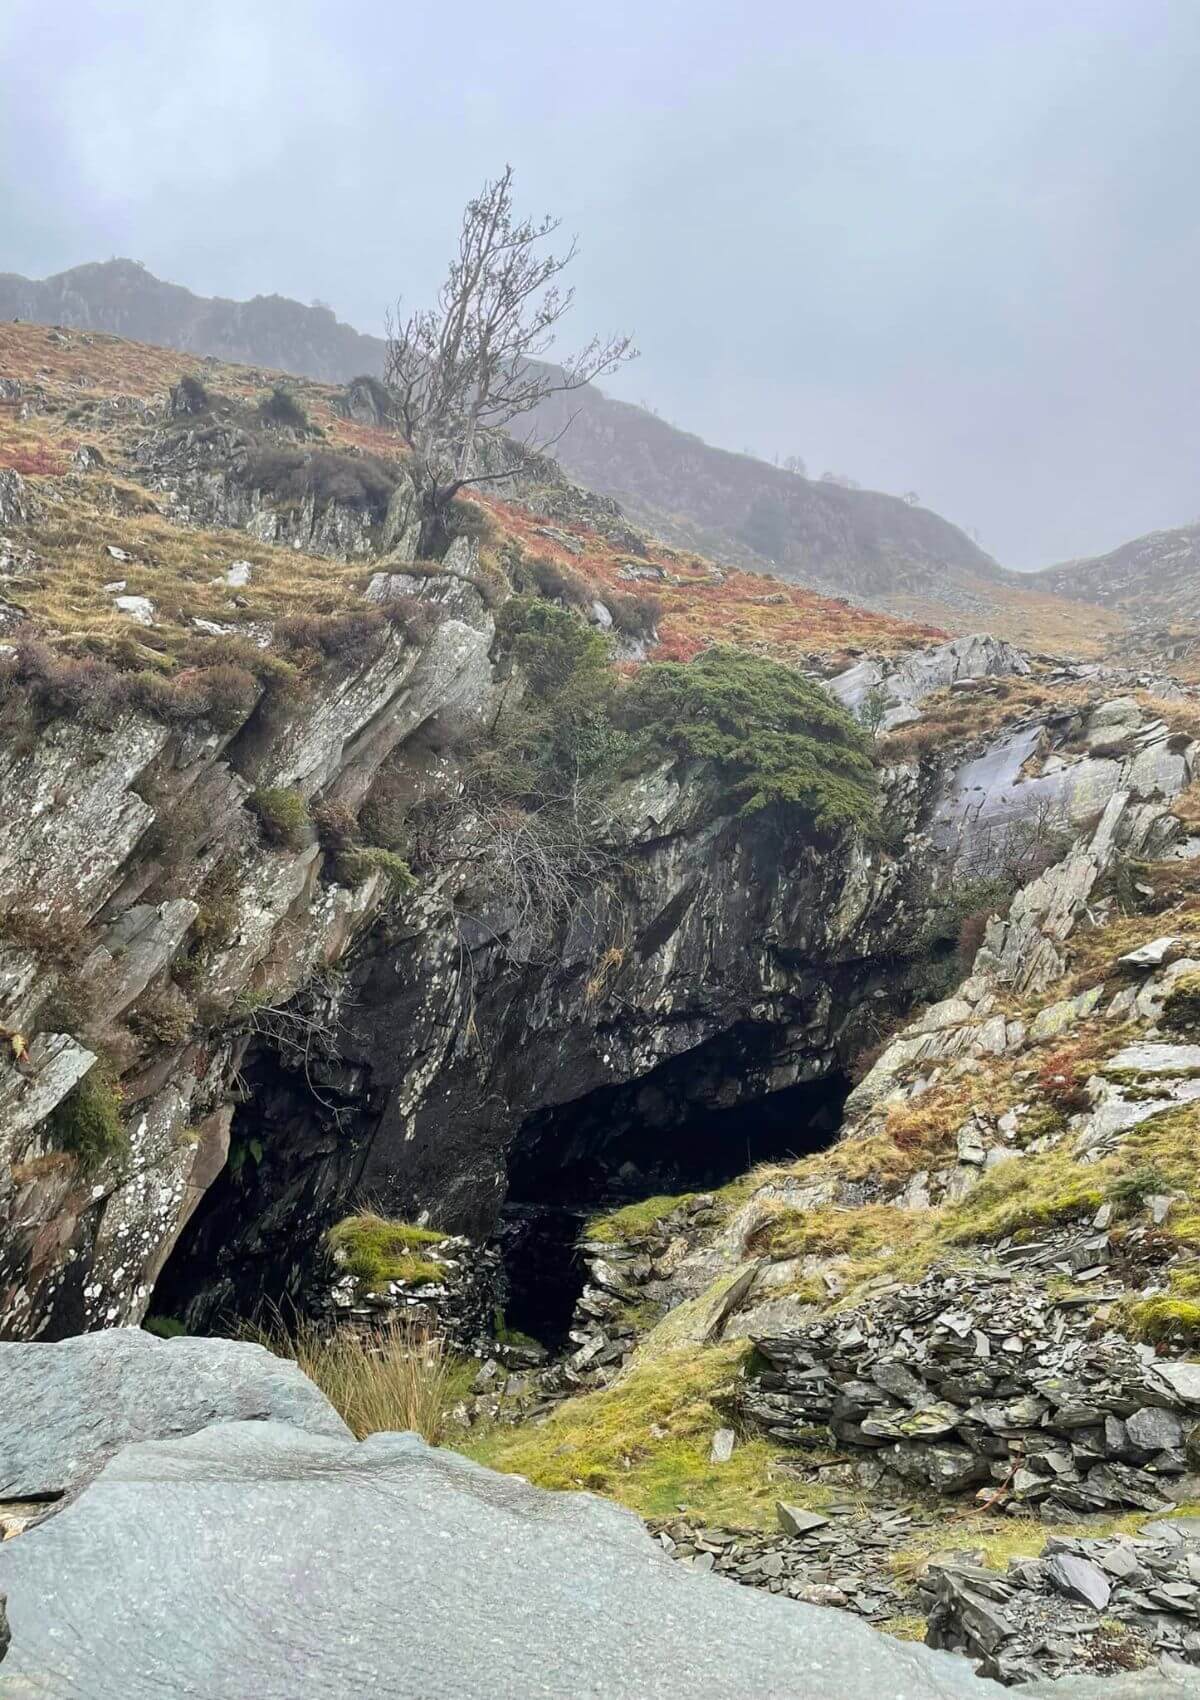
(376, 1251)
(633, 1220)
(1033, 1193)
(354, 866)
(1160, 1319)
(828, 1231)
(87, 1122)
(775, 737)
(283, 815)
(645, 1441)
(166, 1327)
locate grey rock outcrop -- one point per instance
(232, 1562)
(903, 682)
(67, 1407)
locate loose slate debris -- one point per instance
(985, 1382)
(836, 1558)
(1113, 1604)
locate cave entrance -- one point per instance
(693, 1124)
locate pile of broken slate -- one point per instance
(1114, 1603)
(985, 1380)
(836, 1557)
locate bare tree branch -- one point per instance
(462, 371)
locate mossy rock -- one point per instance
(1181, 1006)
(87, 1122)
(376, 1251)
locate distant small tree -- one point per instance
(460, 372)
(872, 710)
(841, 479)
(794, 463)
(911, 497)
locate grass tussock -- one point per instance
(614, 1227)
(392, 1380)
(376, 1251)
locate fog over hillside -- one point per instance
(938, 248)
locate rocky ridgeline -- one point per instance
(1111, 1604)
(984, 1381)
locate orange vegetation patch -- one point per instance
(704, 604)
(65, 374)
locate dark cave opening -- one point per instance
(684, 1127)
(692, 1124)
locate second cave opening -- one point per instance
(693, 1124)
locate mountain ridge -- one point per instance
(873, 546)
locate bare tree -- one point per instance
(460, 372)
(794, 464)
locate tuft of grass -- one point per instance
(355, 865)
(614, 1227)
(832, 1231)
(376, 1251)
(392, 1380)
(283, 815)
(906, 1628)
(87, 1122)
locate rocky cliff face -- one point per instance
(200, 947)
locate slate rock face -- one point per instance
(256, 1559)
(66, 1407)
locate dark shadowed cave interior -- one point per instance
(672, 1131)
(693, 1123)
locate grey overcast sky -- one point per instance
(943, 245)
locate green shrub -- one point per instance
(775, 737)
(282, 409)
(87, 1122)
(1129, 1192)
(554, 648)
(353, 866)
(282, 814)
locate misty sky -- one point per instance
(943, 245)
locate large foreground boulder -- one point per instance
(66, 1407)
(253, 1559)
